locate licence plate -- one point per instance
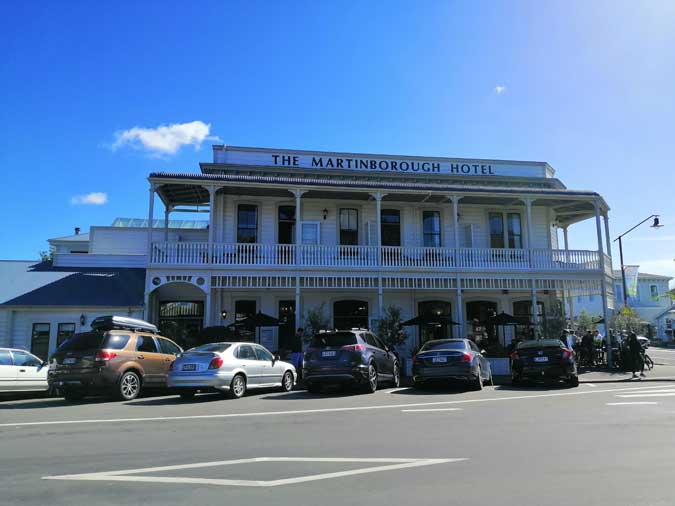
(69, 360)
(439, 360)
(189, 367)
(541, 359)
(328, 353)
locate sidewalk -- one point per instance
(659, 373)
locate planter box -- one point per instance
(500, 366)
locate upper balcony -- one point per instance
(290, 256)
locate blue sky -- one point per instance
(587, 87)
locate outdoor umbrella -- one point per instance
(429, 320)
(214, 334)
(504, 319)
(257, 321)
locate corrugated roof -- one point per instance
(41, 284)
(72, 238)
(385, 185)
(159, 223)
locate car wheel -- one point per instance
(573, 381)
(313, 388)
(128, 386)
(397, 376)
(478, 382)
(371, 385)
(287, 382)
(73, 395)
(187, 394)
(238, 386)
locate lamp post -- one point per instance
(655, 224)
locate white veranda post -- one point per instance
(603, 284)
(298, 254)
(455, 230)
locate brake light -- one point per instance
(466, 357)
(216, 363)
(104, 356)
(353, 347)
(514, 356)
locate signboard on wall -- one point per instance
(263, 157)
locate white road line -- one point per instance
(126, 475)
(655, 391)
(643, 403)
(592, 385)
(629, 396)
(313, 411)
(429, 410)
(394, 390)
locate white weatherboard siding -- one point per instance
(99, 260)
(134, 241)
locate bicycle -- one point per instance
(649, 363)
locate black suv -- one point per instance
(348, 357)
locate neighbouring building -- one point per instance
(291, 231)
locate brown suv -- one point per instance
(119, 356)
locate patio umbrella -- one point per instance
(429, 320)
(257, 321)
(504, 320)
(214, 334)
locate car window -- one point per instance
(83, 341)
(333, 339)
(5, 357)
(474, 347)
(263, 354)
(368, 338)
(245, 352)
(146, 344)
(168, 347)
(378, 342)
(219, 347)
(25, 359)
(116, 342)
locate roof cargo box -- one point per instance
(122, 323)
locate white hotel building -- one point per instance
(289, 230)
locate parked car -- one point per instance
(233, 368)
(543, 359)
(120, 356)
(349, 357)
(21, 371)
(451, 360)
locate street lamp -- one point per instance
(655, 224)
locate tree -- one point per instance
(585, 322)
(627, 320)
(316, 320)
(389, 329)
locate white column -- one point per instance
(212, 220)
(378, 223)
(455, 230)
(298, 254)
(151, 217)
(570, 296)
(146, 306)
(167, 211)
(603, 284)
(208, 303)
(529, 243)
(608, 240)
(535, 310)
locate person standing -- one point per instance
(587, 348)
(635, 350)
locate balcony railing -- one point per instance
(389, 257)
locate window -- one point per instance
(21, 358)
(5, 357)
(391, 227)
(244, 309)
(39, 343)
(219, 347)
(654, 291)
(64, 331)
(116, 342)
(496, 230)
(146, 344)
(168, 347)
(434, 329)
(350, 314)
(349, 227)
(245, 352)
(443, 345)
(263, 354)
(369, 339)
(333, 339)
(286, 225)
(515, 231)
(310, 232)
(510, 237)
(431, 226)
(247, 223)
(379, 343)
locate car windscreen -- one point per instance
(443, 345)
(83, 341)
(333, 339)
(540, 343)
(211, 347)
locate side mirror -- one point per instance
(483, 352)
(276, 358)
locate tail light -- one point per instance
(466, 357)
(567, 354)
(104, 356)
(216, 363)
(353, 347)
(514, 356)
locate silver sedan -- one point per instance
(229, 367)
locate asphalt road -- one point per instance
(601, 445)
(662, 356)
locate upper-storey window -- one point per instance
(654, 292)
(509, 236)
(247, 223)
(349, 227)
(391, 227)
(431, 227)
(286, 224)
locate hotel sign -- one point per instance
(367, 163)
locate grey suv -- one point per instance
(349, 357)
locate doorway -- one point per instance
(350, 314)
(181, 321)
(478, 313)
(440, 330)
(287, 338)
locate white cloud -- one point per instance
(95, 198)
(165, 139)
(499, 89)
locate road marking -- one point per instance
(317, 410)
(429, 410)
(394, 390)
(655, 391)
(628, 396)
(128, 474)
(643, 403)
(592, 385)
